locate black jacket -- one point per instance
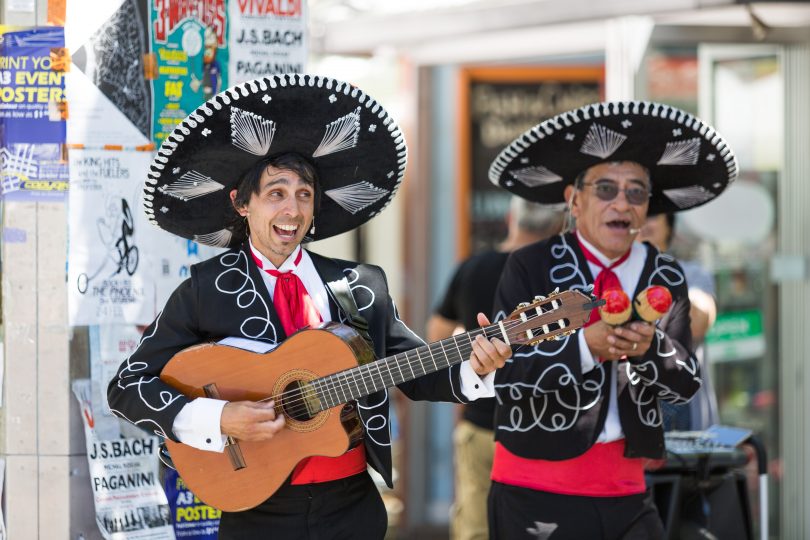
(226, 296)
(547, 408)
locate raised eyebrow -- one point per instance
(275, 182)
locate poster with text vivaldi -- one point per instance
(188, 60)
(266, 37)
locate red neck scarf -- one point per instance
(293, 304)
(607, 279)
(296, 310)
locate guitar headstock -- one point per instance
(549, 317)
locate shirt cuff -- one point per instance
(197, 424)
(586, 360)
(473, 386)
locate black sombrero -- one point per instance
(689, 162)
(354, 144)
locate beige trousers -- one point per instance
(474, 448)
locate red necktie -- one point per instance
(293, 304)
(606, 279)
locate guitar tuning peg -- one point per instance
(555, 292)
(539, 298)
(523, 305)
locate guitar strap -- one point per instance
(338, 285)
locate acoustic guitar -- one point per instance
(314, 377)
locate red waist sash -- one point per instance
(602, 471)
(316, 469)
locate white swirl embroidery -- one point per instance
(572, 398)
(375, 419)
(246, 295)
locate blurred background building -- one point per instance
(463, 78)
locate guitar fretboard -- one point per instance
(352, 384)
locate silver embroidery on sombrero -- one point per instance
(251, 132)
(689, 196)
(681, 152)
(340, 135)
(535, 176)
(386, 126)
(355, 197)
(221, 238)
(601, 141)
(563, 121)
(190, 186)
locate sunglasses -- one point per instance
(607, 191)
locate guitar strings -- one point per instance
(293, 402)
(367, 377)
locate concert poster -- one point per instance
(108, 282)
(266, 37)
(188, 60)
(128, 496)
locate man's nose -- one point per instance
(292, 206)
(621, 199)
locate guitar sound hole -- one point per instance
(300, 402)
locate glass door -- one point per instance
(741, 92)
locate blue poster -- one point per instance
(32, 115)
(32, 87)
(192, 518)
(33, 172)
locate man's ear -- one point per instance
(242, 211)
(570, 199)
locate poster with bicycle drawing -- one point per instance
(108, 281)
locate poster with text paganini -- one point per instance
(266, 37)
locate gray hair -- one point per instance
(535, 218)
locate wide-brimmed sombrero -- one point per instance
(351, 140)
(689, 162)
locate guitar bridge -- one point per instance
(231, 446)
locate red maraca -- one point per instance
(652, 303)
(617, 309)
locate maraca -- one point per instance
(652, 303)
(617, 309)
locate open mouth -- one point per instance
(619, 225)
(286, 232)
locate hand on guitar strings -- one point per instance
(250, 420)
(488, 355)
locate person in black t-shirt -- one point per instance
(471, 291)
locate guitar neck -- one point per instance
(355, 383)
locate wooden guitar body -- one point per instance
(241, 375)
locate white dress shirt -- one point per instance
(198, 423)
(628, 273)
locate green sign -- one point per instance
(736, 336)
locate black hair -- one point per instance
(251, 182)
(670, 216)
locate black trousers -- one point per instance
(516, 512)
(345, 509)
